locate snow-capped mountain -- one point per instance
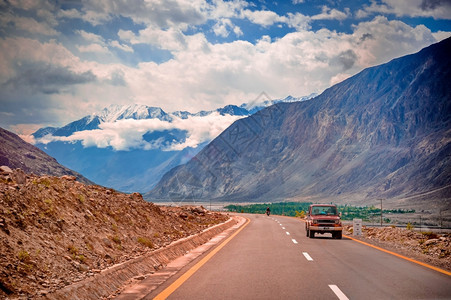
(109, 114)
(130, 147)
(135, 111)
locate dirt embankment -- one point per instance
(55, 231)
(428, 247)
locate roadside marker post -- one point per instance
(357, 227)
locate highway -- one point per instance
(271, 258)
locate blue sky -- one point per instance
(62, 60)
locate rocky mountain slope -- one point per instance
(55, 231)
(130, 147)
(383, 133)
(16, 153)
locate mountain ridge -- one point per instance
(116, 112)
(113, 147)
(15, 153)
(366, 137)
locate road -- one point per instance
(271, 258)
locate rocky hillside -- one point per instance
(55, 230)
(16, 153)
(383, 133)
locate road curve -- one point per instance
(271, 258)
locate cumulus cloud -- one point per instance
(123, 135)
(224, 26)
(263, 17)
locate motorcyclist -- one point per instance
(268, 211)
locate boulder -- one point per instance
(6, 169)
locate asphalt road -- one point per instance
(271, 258)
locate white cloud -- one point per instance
(299, 21)
(441, 35)
(69, 14)
(123, 47)
(90, 37)
(437, 9)
(170, 39)
(225, 9)
(263, 17)
(330, 14)
(128, 134)
(93, 48)
(224, 26)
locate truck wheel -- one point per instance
(337, 235)
(311, 234)
(306, 230)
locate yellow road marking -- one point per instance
(176, 284)
(401, 256)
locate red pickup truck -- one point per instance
(323, 218)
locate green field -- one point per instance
(299, 209)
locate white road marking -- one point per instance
(283, 227)
(294, 241)
(287, 233)
(338, 292)
(307, 256)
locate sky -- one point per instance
(62, 60)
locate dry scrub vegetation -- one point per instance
(55, 231)
(428, 247)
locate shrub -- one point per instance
(23, 255)
(409, 226)
(80, 258)
(300, 214)
(146, 242)
(430, 235)
(72, 249)
(116, 239)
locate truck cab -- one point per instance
(323, 218)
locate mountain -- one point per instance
(383, 133)
(16, 153)
(130, 147)
(109, 114)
